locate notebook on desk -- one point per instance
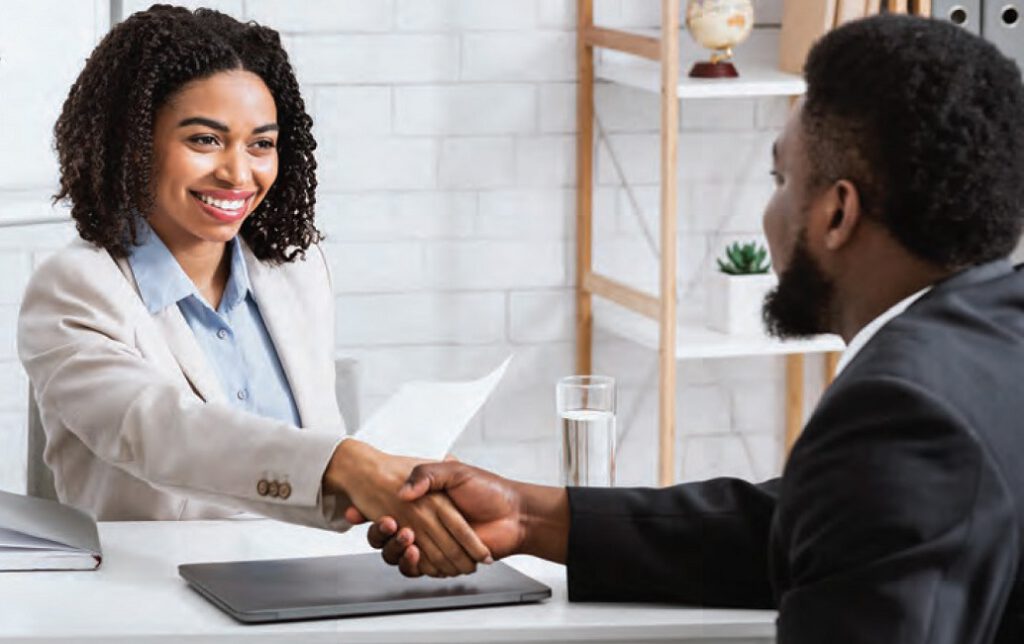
(348, 586)
(39, 534)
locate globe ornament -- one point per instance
(719, 25)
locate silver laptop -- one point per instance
(346, 586)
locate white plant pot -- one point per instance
(735, 301)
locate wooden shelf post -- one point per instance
(669, 189)
(831, 366)
(584, 186)
(794, 397)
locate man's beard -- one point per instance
(799, 306)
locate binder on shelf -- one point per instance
(965, 13)
(1002, 24)
(802, 24)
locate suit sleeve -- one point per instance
(894, 524)
(76, 341)
(699, 543)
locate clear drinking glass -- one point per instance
(586, 411)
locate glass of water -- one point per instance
(586, 411)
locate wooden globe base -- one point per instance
(721, 69)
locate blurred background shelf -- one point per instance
(757, 78)
(659, 62)
(696, 341)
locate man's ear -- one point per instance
(843, 202)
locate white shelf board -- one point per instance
(694, 340)
(757, 78)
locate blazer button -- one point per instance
(273, 489)
(263, 487)
(284, 490)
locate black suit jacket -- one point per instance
(898, 517)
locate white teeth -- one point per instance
(221, 203)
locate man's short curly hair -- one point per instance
(104, 136)
(927, 121)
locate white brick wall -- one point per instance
(546, 161)
(522, 56)
(420, 318)
(541, 316)
(462, 163)
(466, 109)
(447, 173)
(384, 58)
(353, 110)
(323, 16)
(39, 59)
(487, 264)
(15, 268)
(464, 15)
(381, 216)
(377, 163)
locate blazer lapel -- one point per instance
(183, 346)
(182, 343)
(281, 312)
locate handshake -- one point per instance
(442, 519)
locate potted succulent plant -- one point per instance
(737, 289)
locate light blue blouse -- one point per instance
(233, 337)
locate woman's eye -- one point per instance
(264, 144)
(204, 139)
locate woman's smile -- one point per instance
(224, 205)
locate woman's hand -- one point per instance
(491, 504)
(510, 517)
(371, 479)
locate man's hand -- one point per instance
(509, 517)
(371, 478)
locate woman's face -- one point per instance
(214, 159)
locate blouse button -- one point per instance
(222, 333)
(242, 394)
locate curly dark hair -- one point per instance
(927, 121)
(104, 136)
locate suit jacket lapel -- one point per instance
(182, 343)
(281, 310)
(183, 346)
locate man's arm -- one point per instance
(894, 525)
(509, 517)
(703, 543)
(697, 543)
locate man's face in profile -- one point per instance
(799, 306)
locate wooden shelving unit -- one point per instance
(672, 341)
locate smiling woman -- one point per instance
(215, 156)
(181, 351)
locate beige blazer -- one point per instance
(137, 424)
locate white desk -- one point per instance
(136, 596)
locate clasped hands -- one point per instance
(439, 519)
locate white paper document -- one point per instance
(423, 419)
